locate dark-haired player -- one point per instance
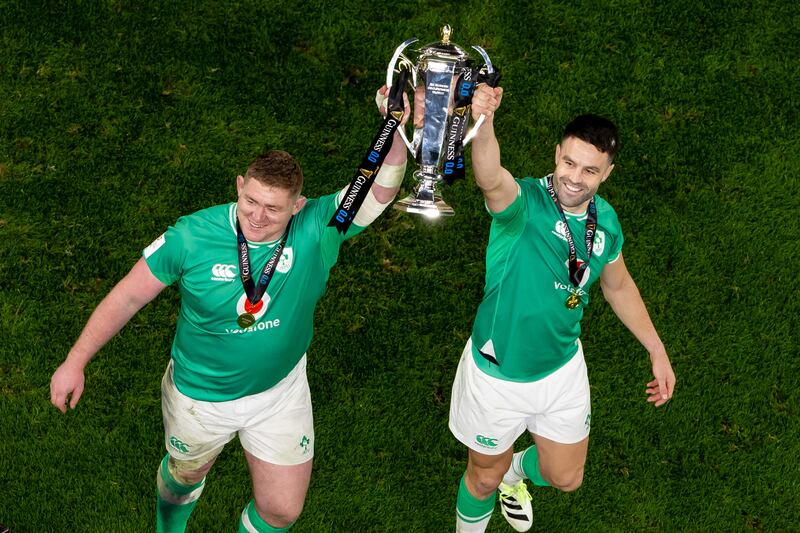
(523, 367)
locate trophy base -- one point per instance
(428, 208)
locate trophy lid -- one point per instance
(444, 49)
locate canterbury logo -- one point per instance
(486, 441)
(178, 445)
(220, 272)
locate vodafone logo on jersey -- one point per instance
(257, 310)
(222, 272)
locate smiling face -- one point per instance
(264, 211)
(580, 169)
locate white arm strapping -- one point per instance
(389, 176)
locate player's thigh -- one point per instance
(194, 433)
(564, 404)
(280, 422)
(486, 414)
(561, 463)
(279, 490)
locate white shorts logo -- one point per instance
(285, 262)
(221, 272)
(258, 310)
(599, 243)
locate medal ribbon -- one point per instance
(371, 164)
(576, 273)
(457, 126)
(255, 291)
(457, 122)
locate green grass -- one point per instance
(117, 117)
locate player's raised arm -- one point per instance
(497, 184)
(390, 176)
(132, 293)
(390, 172)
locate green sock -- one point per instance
(472, 514)
(251, 522)
(175, 501)
(530, 466)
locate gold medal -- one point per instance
(246, 320)
(573, 301)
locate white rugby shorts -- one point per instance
(276, 426)
(488, 414)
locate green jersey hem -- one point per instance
(491, 369)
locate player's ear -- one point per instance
(299, 204)
(239, 184)
(608, 173)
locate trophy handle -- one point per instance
(398, 53)
(478, 123)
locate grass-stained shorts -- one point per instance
(488, 414)
(276, 425)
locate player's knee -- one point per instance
(568, 480)
(485, 481)
(279, 513)
(188, 472)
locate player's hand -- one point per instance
(382, 98)
(486, 100)
(660, 390)
(419, 106)
(67, 380)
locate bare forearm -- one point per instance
(107, 320)
(390, 175)
(486, 158)
(629, 307)
(398, 153)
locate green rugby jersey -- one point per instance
(523, 320)
(214, 358)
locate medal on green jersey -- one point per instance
(246, 320)
(573, 301)
(255, 291)
(576, 271)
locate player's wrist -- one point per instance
(391, 176)
(76, 361)
(658, 352)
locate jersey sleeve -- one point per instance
(616, 247)
(613, 230)
(510, 220)
(165, 255)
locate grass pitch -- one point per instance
(117, 117)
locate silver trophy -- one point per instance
(444, 71)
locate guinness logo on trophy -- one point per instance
(446, 76)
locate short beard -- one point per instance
(585, 197)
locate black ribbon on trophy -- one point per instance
(457, 122)
(371, 164)
(255, 291)
(576, 272)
